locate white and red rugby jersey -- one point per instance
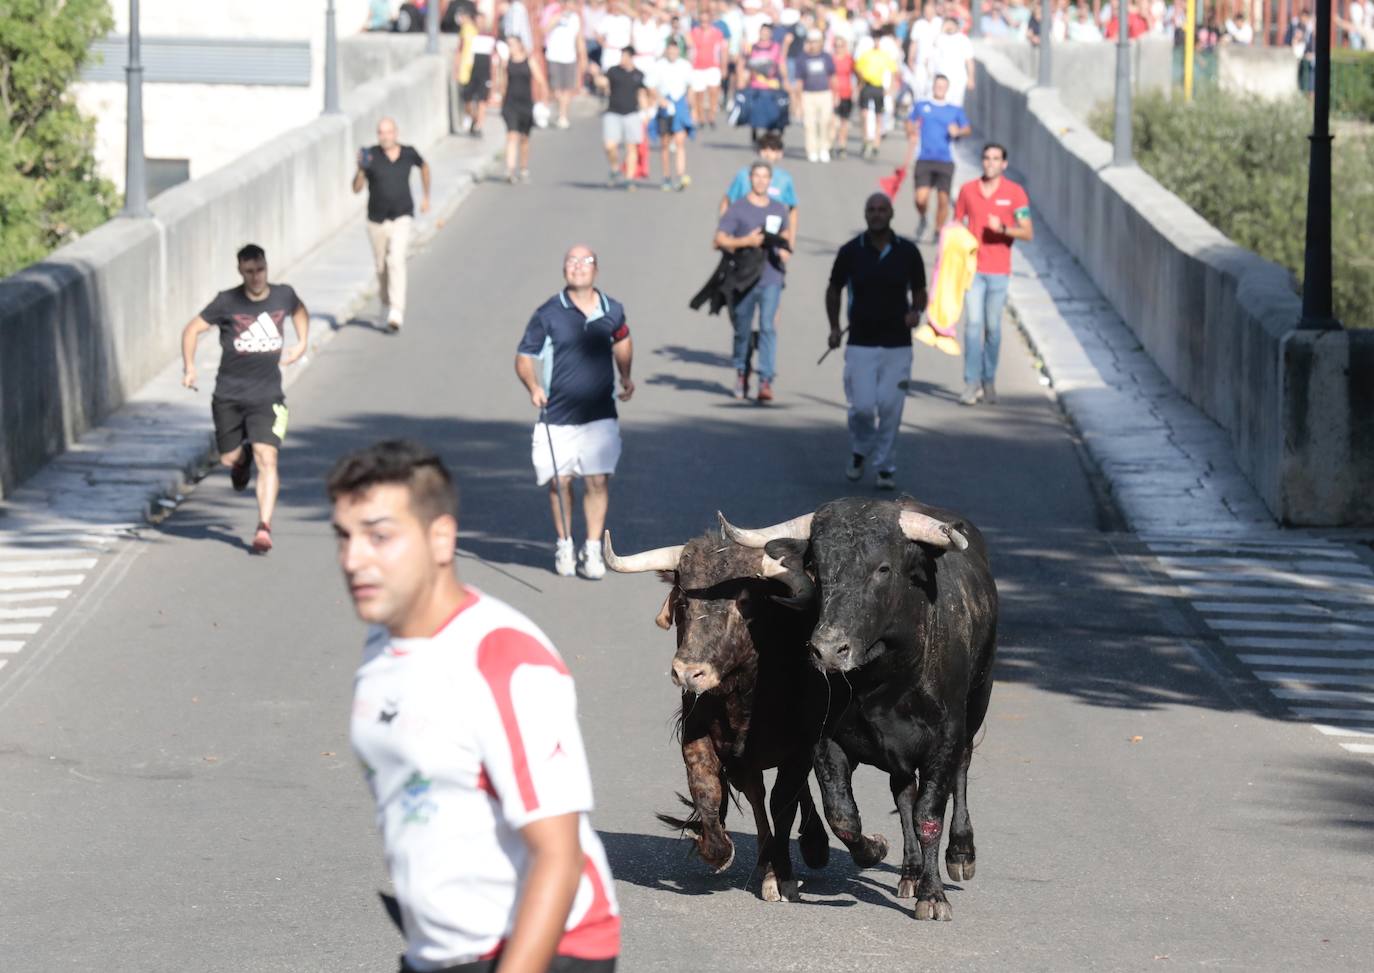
(465, 738)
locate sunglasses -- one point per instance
(580, 262)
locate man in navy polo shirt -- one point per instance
(887, 289)
(940, 123)
(567, 361)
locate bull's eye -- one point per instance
(884, 568)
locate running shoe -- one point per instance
(813, 157)
(242, 471)
(741, 386)
(613, 180)
(825, 156)
(989, 393)
(565, 559)
(684, 182)
(524, 175)
(972, 393)
(887, 480)
(564, 123)
(855, 470)
(841, 151)
(921, 228)
(593, 566)
(667, 185)
(510, 177)
(765, 391)
(262, 539)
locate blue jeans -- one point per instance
(766, 299)
(983, 326)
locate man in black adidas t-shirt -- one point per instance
(248, 406)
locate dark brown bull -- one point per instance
(750, 700)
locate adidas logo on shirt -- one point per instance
(261, 336)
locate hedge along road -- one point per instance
(178, 787)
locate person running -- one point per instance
(671, 80)
(937, 124)
(464, 720)
(523, 84)
(766, 73)
(472, 67)
(622, 124)
(616, 34)
(878, 70)
(565, 360)
(816, 70)
(997, 211)
(780, 188)
(887, 289)
(565, 50)
(248, 407)
(708, 65)
(757, 222)
(952, 56)
(385, 170)
(842, 86)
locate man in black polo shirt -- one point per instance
(887, 289)
(385, 170)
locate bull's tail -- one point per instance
(690, 823)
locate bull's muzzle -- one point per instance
(695, 677)
(831, 651)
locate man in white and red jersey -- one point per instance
(708, 65)
(465, 721)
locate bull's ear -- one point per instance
(664, 619)
(786, 547)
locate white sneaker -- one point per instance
(825, 156)
(564, 560)
(813, 157)
(593, 566)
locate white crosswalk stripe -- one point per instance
(39, 570)
(1299, 612)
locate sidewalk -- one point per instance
(138, 462)
(1170, 469)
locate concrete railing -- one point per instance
(83, 329)
(1218, 320)
(1084, 72)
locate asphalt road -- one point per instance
(178, 791)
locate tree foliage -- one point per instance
(50, 191)
(1241, 163)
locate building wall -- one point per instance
(210, 125)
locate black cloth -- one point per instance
(736, 274)
(388, 183)
(237, 423)
(479, 82)
(624, 85)
(251, 335)
(880, 286)
(560, 964)
(519, 85)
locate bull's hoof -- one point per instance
(906, 888)
(815, 848)
(934, 905)
(960, 866)
(870, 852)
(720, 855)
(790, 891)
(775, 891)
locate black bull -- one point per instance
(905, 616)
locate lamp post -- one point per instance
(1317, 312)
(135, 169)
(432, 27)
(1121, 131)
(975, 18)
(331, 62)
(1046, 28)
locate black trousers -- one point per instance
(560, 964)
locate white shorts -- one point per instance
(591, 449)
(705, 78)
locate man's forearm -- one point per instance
(188, 347)
(424, 179)
(623, 352)
(832, 308)
(549, 889)
(524, 370)
(301, 319)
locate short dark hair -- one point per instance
(770, 140)
(432, 491)
(999, 147)
(628, 49)
(251, 251)
(938, 76)
(760, 164)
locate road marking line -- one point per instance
(1304, 610)
(1214, 589)
(1354, 568)
(37, 567)
(1310, 713)
(1298, 645)
(4, 662)
(1267, 625)
(43, 611)
(1287, 677)
(48, 595)
(19, 584)
(1297, 661)
(7, 645)
(1344, 731)
(23, 628)
(1306, 582)
(1361, 748)
(8, 551)
(1321, 550)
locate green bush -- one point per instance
(50, 192)
(1242, 164)
(1352, 83)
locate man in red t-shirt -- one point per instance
(1136, 24)
(708, 66)
(997, 212)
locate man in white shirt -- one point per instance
(616, 31)
(465, 722)
(954, 59)
(566, 53)
(649, 38)
(670, 79)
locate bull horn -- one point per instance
(928, 530)
(659, 559)
(772, 567)
(798, 528)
